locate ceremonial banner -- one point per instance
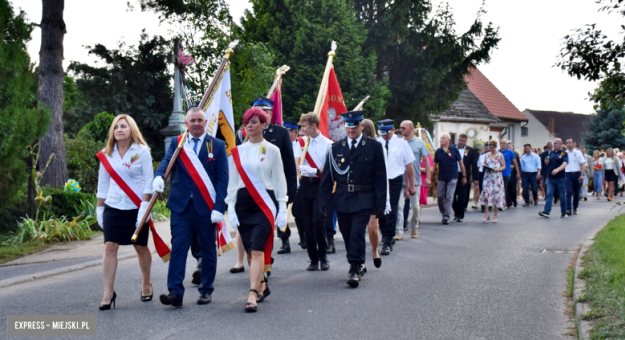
(203, 182)
(219, 113)
(331, 123)
(276, 111)
(132, 190)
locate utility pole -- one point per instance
(176, 124)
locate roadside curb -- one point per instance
(579, 285)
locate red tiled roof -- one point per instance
(494, 100)
(566, 124)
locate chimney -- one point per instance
(551, 125)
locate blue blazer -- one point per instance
(182, 185)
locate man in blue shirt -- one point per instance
(448, 158)
(510, 158)
(555, 178)
(530, 166)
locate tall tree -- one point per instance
(421, 54)
(21, 122)
(299, 34)
(51, 90)
(590, 54)
(133, 80)
(605, 130)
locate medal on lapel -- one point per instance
(210, 151)
(263, 150)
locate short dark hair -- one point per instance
(528, 144)
(462, 135)
(310, 118)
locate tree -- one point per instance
(421, 55)
(133, 80)
(51, 91)
(299, 34)
(590, 54)
(604, 130)
(21, 121)
(73, 107)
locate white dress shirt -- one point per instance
(269, 171)
(140, 170)
(318, 151)
(461, 150)
(399, 155)
(576, 159)
(297, 149)
(349, 142)
(480, 161)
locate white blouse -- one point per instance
(269, 171)
(608, 163)
(140, 170)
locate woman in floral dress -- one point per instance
(493, 193)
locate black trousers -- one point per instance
(329, 222)
(298, 219)
(461, 196)
(353, 227)
(388, 223)
(511, 189)
(313, 219)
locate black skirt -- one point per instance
(254, 226)
(610, 176)
(119, 226)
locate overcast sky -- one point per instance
(522, 66)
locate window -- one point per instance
(524, 132)
(452, 140)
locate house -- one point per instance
(544, 126)
(470, 116)
(512, 119)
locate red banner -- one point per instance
(331, 123)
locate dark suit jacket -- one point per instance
(279, 136)
(367, 167)
(543, 156)
(470, 164)
(182, 185)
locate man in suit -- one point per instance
(469, 159)
(279, 136)
(354, 185)
(190, 212)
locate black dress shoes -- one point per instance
(354, 275)
(386, 249)
(171, 299)
(325, 264)
(197, 274)
(313, 266)
(331, 249)
(286, 247)
(235, 270)
(204, 299)
(303, 244)
(377, 262)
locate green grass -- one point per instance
(12, 252)
(604, 273)
(570, 282)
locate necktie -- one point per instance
(353, 144)
(387, 149)
(195, 140)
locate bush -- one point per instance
(98, 128)
(82, 163)
(49, 230)
(65, 203)
(11, 215)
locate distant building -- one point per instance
(498, 105)
(470, 116)
(544, 126)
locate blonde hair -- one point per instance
(492, 142)
(310, 118)
(368, 129)
(134, 133)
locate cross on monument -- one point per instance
(176, 122)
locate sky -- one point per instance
(522, 67)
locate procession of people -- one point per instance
(360, 179)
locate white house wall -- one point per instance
(482, 130)
(538, 135)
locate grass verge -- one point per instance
(604, 273)
(12, 252)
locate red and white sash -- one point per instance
(259, 194)
(200, 177)
(113, 166)
(309, 158)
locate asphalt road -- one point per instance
(469, 280)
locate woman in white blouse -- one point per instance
(244, 212)
(117, 215)
(611, 171)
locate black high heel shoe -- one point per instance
(266, 292)
(105, 307)
(251, 307)
(149, 297)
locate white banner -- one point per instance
(219, 113)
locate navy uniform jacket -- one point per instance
(544, 167)
(279, 136)
(470, 164)
(367, 167)
(182, 185)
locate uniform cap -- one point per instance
(352, 118)
(263, 102)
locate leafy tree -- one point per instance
(73, 106)
(604, 130)
(251, 71)
(420, 53)
(299, 34)
(590, 54)
(21, 122)
(135, 81)
(98, 128)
